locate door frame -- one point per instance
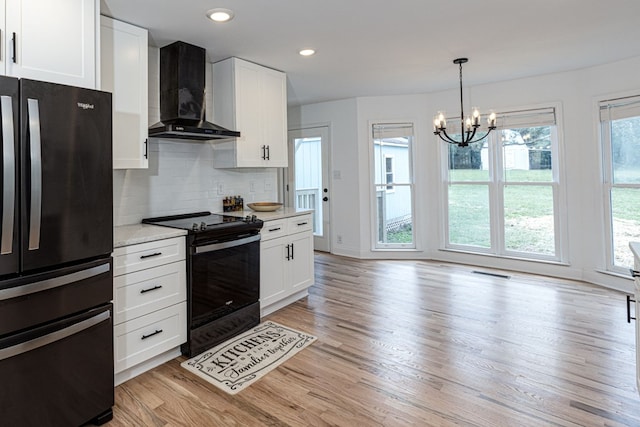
(321, 243)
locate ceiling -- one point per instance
(382, 47)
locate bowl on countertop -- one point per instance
(264, 206)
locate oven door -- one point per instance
(225, 277)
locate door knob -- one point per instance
(325, 198)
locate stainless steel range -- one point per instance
(223, 276)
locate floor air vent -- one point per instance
(502, 276)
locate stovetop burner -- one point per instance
(206, 223)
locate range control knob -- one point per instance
(194, 227)
(203, 226)
(247, 218)
(254, 218)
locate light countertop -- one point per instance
(283, 212)
(125, 235)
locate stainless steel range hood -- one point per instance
(182, 96)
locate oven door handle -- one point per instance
(225, 245)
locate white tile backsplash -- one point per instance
(181, 177)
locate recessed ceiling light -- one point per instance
(307, 52)
(220, 15)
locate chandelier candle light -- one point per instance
(468, 127)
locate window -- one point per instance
(393, 185)
(388, 162)
(620, 135)
(503, 192)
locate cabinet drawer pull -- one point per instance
(634, 273)
(629, 301)
(150, 255)
(151, 289)
(302, 223)
(275, 229)
(158, 331)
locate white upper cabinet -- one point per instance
(123, 72)
(251, 99)
(53, 41)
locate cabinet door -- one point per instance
(249, 117)
(273, 281)
(257, 107)
(274, 119)
(123, 66)
(301, 265)
(54, 41)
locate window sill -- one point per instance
(508, 257)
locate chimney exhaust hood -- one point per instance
(182, 96)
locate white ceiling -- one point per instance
(384, 47)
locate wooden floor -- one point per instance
(412, 343)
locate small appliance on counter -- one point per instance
(223, 276)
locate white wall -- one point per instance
(345, 198)
(576, 93)
(181, 177)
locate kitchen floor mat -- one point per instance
(244, 359)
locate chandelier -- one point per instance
(468, 126)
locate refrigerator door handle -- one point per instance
(8, 175)
(76, 328)
(43, 285)
(36, 173)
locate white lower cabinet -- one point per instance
(150, 309)
(286, 261)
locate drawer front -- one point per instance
(273, 229)
(145, 291)
(138, 257)
(300, 223)
(145, 337)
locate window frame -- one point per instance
(374, 192)
(607, 175)
(496, 183)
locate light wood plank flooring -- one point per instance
(413, 343)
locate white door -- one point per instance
(307, 180)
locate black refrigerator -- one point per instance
(56, 239)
